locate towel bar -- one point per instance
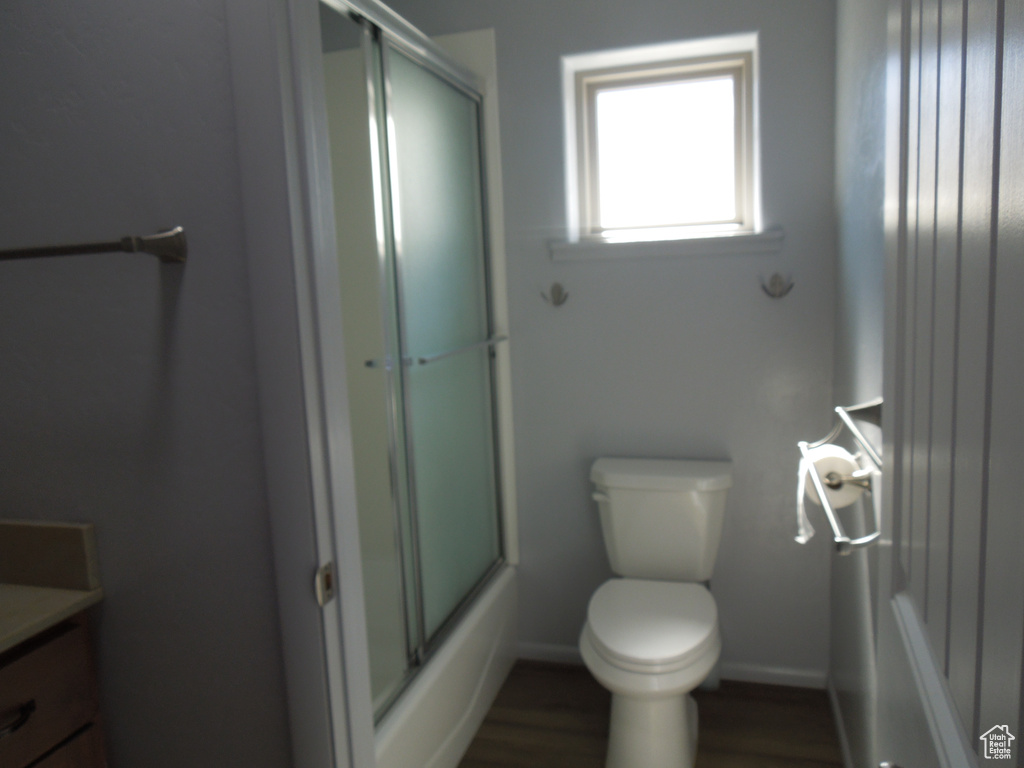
(170, 247)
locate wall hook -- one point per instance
(778, 286)
(558, 295)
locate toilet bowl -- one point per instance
(650, 643)
(652, 635)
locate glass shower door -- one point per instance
(405, 163)
(351, 60)
(447, 349)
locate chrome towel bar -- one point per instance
(170, 247)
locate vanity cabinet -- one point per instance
(49, 711)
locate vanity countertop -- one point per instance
(27, 611)
(48, 572)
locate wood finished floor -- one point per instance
(553, 716)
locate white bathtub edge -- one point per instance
(435, 720)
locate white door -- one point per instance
(951, 568)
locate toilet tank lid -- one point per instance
(662, 474)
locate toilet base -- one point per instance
(652, 732)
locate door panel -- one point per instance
(1002, 630)
(908, 277)
(951, 624)
(921, 265)
(972, 352)
(947, 204)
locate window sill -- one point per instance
(768, 241)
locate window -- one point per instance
(661, 140)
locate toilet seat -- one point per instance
(652, 627)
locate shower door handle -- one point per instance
(379, 362)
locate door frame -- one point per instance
(287, 218)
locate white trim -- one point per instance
(645, 54)
(837, 717)
(323, 361)
(737, 68)
(748, 164)
(763, 673)
(274, 145)
(322, 349)
(767, 242)
(411, 39)
(951, 742)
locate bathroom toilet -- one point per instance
(651, 634)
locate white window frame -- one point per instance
(585, 75)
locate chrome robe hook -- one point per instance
(777, 286)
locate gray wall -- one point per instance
(860, 296)
(127, 391)
(860, 181)
(681, 357)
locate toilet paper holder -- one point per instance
(870, 411)
(860, 478)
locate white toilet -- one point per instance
(652, 635)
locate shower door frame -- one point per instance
(277, 81)
(383, 44)
(384, 35)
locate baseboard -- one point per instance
(557, 654)
(837, 715)
(762, 673)
(747, 673)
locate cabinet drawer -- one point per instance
(47, 692)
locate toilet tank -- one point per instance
(661, 519)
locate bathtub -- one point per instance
(439, 713)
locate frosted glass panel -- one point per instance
(437, 209)
(437, 206)
(455, 490)
(657, 164)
